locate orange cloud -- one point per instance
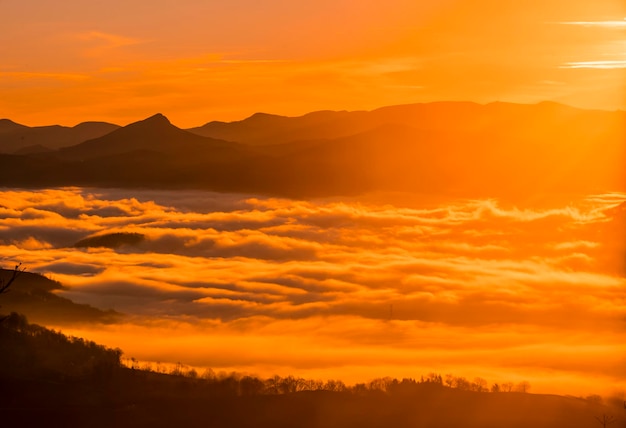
(476, 287)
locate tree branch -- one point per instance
(4, 285)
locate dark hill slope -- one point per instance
(154, 134)
(130, 399)
(7, 125)
(34, 296)
(48, 379)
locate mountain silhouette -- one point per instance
(154, 134)
(266, 129)
(7, 125)
(460, 149)
(17, 138)
(464, 149)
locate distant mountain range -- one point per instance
(16, 138)
(456, 148)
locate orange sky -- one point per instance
(195, 61)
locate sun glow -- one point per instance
(339, 190)
(93, 66)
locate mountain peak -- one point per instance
(154, 134)
(157, 118)
(263, 116)
(7, 122)
(92, 123)
(9, 125)
(155, 122)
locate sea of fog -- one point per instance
(344, 288)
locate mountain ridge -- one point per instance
(462, 149)
(155, 133)
(263, 129)
(15, 137)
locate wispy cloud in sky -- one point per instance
(603, 24)
(613, 49)
(109, 40)
(604, 65)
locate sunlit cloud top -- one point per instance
(360, 287)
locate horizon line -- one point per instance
(324, 110)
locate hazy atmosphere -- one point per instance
(239, 213)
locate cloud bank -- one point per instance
(352, 288)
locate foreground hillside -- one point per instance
(35, 297)
(48, 379)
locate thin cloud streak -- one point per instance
(602, 65)
(604, 24)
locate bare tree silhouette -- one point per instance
(6, 283)
(606, 420)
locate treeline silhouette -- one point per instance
(242, 384)
(33, 350)
(49, 379)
